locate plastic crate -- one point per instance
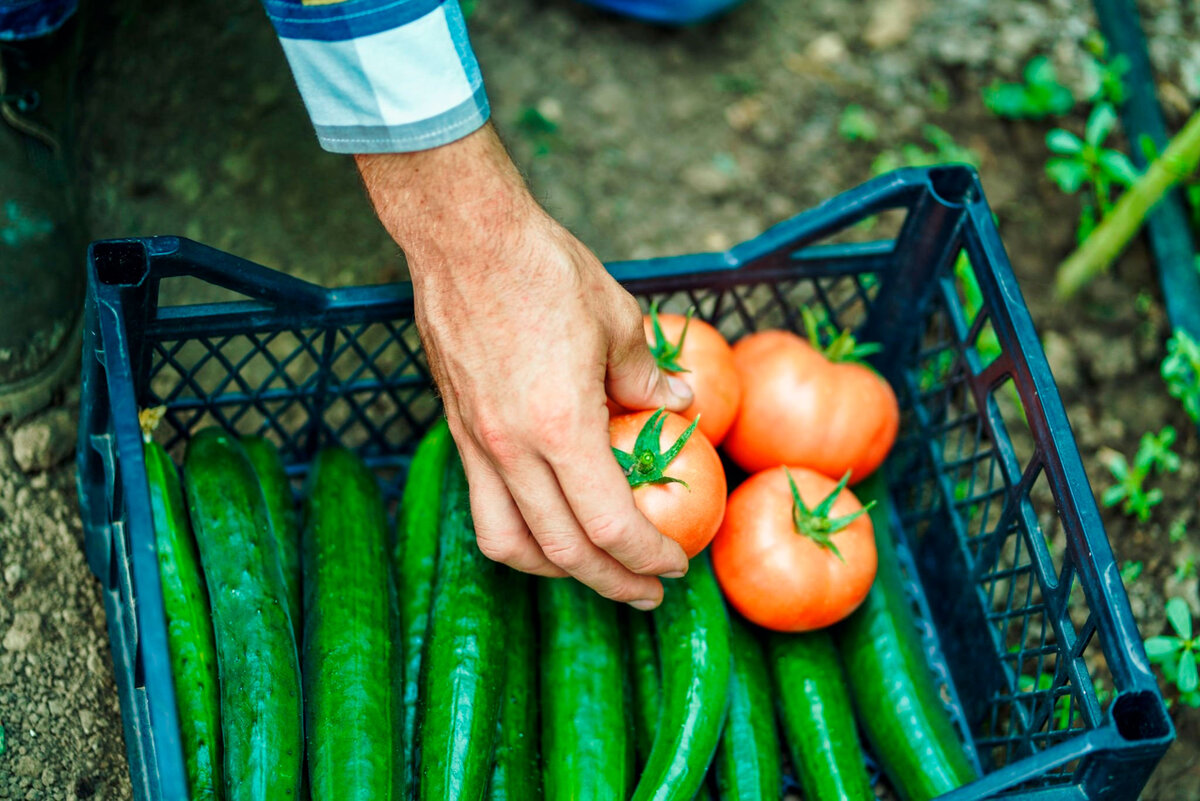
(1010, 571)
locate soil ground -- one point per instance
(643, 142)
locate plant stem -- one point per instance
(1110, 237)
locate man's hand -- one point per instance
(525, 333)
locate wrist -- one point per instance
(452, 199)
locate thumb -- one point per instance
(635, 381)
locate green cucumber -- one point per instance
(414, 558)
(818, 720)
(899, 705)
(747, 764)
(281, 508)
(586, 745)
(692, 628)
(645, 682)
(189, 628)
(517, 776)
(350, 661)
(462, 674)
(261, 708)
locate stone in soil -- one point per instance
(45, 440)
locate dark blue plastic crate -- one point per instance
(1010, 573)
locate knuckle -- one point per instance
(497, 441)
(564, 552)
(503, 548)
(608, 530)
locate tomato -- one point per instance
(801, 407)
(707, 367)
(784, 579)
(682, 492)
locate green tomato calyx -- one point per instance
(647, 463)
(816, 524)
(664, 352)
(842, 347)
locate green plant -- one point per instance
(737, 84)
(945, 150)
(1110, 237)
(468, 7)
(1044, 683)
(1185, 569)
(1039, 96)
(1181, 370)
(1177, 530)
(1086, 162)
(541, 131)
(857, 125)
(1154, 454)
(1176, 654)
(1107, 77)
(1130, 571)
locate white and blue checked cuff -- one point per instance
(383, 76)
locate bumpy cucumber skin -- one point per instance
(262, 717)
(517, 775)
(901, 712)
(353, 726)
(747, 765)
(645, 682)
(189, 628)
(414, 559)
(818, 720)
(692, 628)
(586, 744)
(281, 508)
(462, 675)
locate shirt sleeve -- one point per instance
(382, 76)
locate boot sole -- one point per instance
(20, 399)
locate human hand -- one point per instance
(526, 334)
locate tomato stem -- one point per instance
(647, 463)
(816, 523)
(667, 353)
(843, 347)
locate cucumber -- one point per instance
(414, 557)
(692, 628)
(818, 720)
(747, 764)
(261, 708)
(189, 628)
(645, 682)
(354, 748)
(281, 508)
(517, 776)
(462, 675)
(586, 746)
(899, 706)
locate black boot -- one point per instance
(41, 242)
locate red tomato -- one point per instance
(708, 361)
(780, 578)
(798, 407)
(687, 514)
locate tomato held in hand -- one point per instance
(801, 405)
(796, 551)
(677, 478)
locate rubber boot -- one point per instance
(41, 242)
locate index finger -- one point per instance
(600, 498)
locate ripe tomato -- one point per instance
(681, 491)
(800, 407)
(781, 578)
(707, 366)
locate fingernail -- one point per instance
(675, 574)
(679, 388)
(644, 605)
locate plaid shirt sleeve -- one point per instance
(382, 76)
